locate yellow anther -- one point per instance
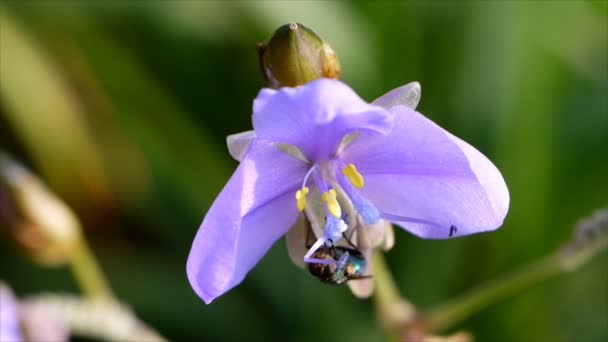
(353, 176)
(301, 198)
(332, 203)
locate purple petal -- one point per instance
(9, 319)
(255, 208)
(315, 117)
(421, 172)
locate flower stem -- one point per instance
(590, 238)
(99, 320)
(394, 312)
(459, 308)
(87, 272)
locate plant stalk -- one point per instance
(87, 271)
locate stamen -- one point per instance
(368, 212)
(333, 206)
(308, 256)
(301, 194)
(334, 228)
(343, 260)
(301, 198)
(364, 208)
(353, 176)
(312, 169)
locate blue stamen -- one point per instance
(334, 228)
(368, 212)
(320, 183)
(333, 232)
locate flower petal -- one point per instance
(255, 208)
(421, 171)
(315, 117)
(238, 144)
(407, 95)
(9, 316)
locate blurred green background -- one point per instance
(123, 108)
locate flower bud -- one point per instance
(37, 220)
(295, 55)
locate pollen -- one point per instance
(353, 176)
(301, 198)
(332, 203)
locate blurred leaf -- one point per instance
(49, 118)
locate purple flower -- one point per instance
(9, 316)
(361, 163)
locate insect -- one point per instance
(335, 265)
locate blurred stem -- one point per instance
(590, 238)
(87, 271)
(100, 320)
(394, 312)
(459, 308)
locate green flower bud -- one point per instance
(295, 55)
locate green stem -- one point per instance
(394, 312)
(87, 272)
(459, 308)
(386, 290)
(590, 238)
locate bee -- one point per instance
(335, 265)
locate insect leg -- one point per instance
(359, 277)
(350, 242)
